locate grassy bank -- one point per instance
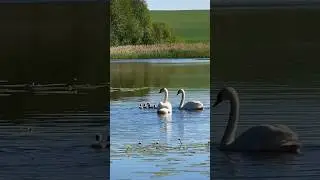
(177, 50)
(187, 25)
(191, 28)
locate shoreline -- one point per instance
(160, 51)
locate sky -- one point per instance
(178, 4)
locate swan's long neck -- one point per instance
(165, 95)
(182, 99)
(229, 134)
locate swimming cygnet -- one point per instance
(150, 106)
(101, 143)
(145, 106)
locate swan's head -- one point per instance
(163, 90)
(181, 91)
(225, 94)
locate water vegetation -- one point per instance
(175, 50)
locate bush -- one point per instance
(161, 33)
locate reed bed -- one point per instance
(175, 50)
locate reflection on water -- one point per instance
(48, 132)
(163, 61)
(154, 74)
(145, 145)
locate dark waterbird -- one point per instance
(268, 138)
(101, 143)
(30, 87)
(71, 85)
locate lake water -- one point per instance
(295, 107)
(63, 127)
(140, 82)
(272, 90)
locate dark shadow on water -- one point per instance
(270, 45)
(86, 99)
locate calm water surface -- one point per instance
(295, 107)
(63, 127)
(279, 90)
(130, 125)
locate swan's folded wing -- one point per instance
(193, 105)
(196, 102)
(161, 105)
(164, 105)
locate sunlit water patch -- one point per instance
(164, 147)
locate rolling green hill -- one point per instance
(187, 25)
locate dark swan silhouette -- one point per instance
(101, 142)
(265, 137)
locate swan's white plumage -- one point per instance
(191, 105)
(165, 106)
(164, 111)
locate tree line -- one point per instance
(131, 24)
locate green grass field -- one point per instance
(187, 25)
(192, 27)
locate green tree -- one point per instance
(131, 24)
(162, 32)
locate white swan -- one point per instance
(191, 105)
(278, 138)
(165, 106)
